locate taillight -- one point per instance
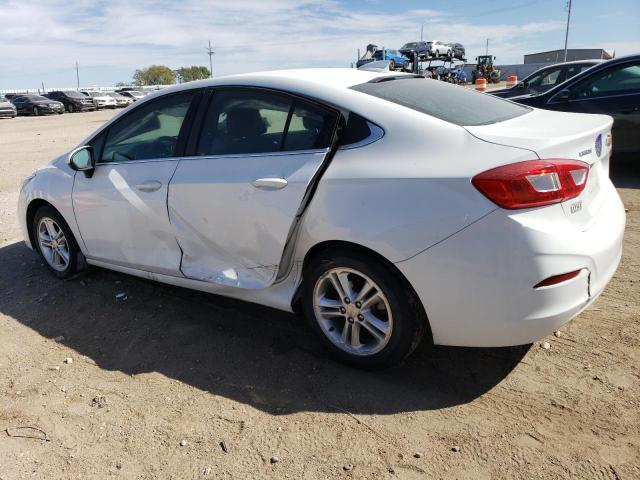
(533, 183)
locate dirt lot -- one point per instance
(161, 381)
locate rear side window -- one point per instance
(451, 103)
(253, 121)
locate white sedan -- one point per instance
(387, 207)
(101, 99)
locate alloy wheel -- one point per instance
(36, 112)
(53, 244)
(352, 311)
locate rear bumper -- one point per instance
(477, 286)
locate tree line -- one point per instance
(163, 75)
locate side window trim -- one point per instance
(180, 150)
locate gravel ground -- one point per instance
(171, 383)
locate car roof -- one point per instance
(340, 78)
(590, 71)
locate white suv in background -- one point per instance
(437, 49)
(100, 99)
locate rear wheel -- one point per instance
(55, 242)
(36, 111)
(392, 65)
(364, 311)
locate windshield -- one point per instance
(410, 45)
(451, 103)
(34, 98)
(74, 94)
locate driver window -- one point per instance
(617, 80)
(150, 131)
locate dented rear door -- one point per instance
(232, 206)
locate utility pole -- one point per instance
(421, 31)
(566, 36)
(77, 76)
(211, 52)
(487, 50)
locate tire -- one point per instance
(392, 65)
(47, 222)
(398, 314)
(36, 111)
(71, 108)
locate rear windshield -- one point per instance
(451, 103)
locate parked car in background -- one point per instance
(394, 57)
(457, 50)
(546, 78)
(7, 109)
(36, 105)
(121, 100)
(439, 49)
(421, 49)
(319, 212)
(610, 88)
(9, 96)
(132, 94)
(100, 99)
(73, 101)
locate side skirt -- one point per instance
(277, 296)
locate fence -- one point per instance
(39, 91)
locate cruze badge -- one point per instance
(585, 152)
(599, 144)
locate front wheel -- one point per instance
(392, 65)
(363, 310)
(70, 108)
(36, 111)
(55, 242)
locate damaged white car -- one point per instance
(387, 207)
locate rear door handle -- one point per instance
(270, 183)
(150, 186)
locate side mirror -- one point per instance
(562, 96)
(81, 160)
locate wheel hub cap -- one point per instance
(53, 244)
(352, 311)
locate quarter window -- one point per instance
(616, 80)
(252, 121)
(150, 131)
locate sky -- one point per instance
(41, 41)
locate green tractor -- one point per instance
(485, 69)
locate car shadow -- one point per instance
(625, 171)
(255, 355)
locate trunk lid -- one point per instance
(549, 135)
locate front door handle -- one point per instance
(270, 183)
(150, 186)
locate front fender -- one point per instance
(53, 184)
